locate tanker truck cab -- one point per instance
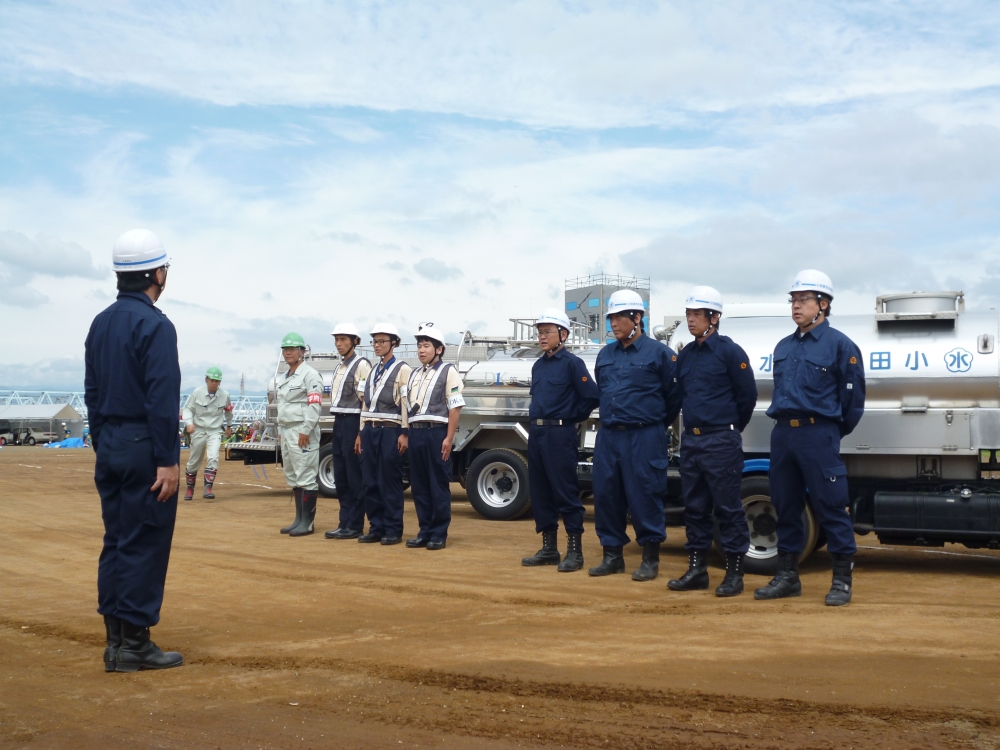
(923, 465)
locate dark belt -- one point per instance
(383, 423)
(709, 429)
(426, 425)
(118, 421)
(626, 426)
(549, 422)
(802, 421)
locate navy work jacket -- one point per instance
(636, 382)
(133, 374)
(820, 374)
(561, 388)
(716, 384)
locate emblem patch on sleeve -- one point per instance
(854, 360)
(584, 378)
(743, 365)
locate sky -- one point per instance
(308, 163)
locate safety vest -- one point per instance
(434, 406)
(346, 400)
(380, 403)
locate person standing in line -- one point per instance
(204, 412)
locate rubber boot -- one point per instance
(696, 576)
(305, 526)
(138, 652)
(732, 584)
(113, 628)
(650, 566)
(209, 481)
(613, 562)
(785, 582)
(548, 554)
(298, 511)
(840, 591)
(189, 491)
(574, 555)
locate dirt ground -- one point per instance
(310, 643)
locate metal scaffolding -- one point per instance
(245, 408)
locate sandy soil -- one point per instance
(308, 643)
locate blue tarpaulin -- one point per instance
(68, 443)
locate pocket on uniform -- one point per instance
(660, 473)
(835, 473)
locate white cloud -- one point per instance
(23, 259)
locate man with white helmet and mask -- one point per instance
(133, 385)
(383, 439)
(345, 406)
(819, 397)
(718, 394)
(434, 397)
(203, 414)
(299, 396)
(635, 376)
(562, 395)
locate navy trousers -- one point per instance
(711, 474)
(430, 481)
(138, 529)
(382, 477)
(630, 477)
(808, 458)
(555, 491)
(347, 472)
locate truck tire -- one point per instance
(497, 484)
(327, 484)
(762, 558)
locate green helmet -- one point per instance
(214, 373)
(293, 339)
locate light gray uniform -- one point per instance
(206, 411)
(300, 397)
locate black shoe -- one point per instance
(138, 652)
(434, 544)
(306, 525)
(840, 591)
(785, 582)
(650, 566)
(613, 562)
(298, 511)
(416, 542)
(696, 577)
(113, 629)
(548, 554)
(370, 538)
(574, 555)
(387, 540)
(342, 534)
(732, 584)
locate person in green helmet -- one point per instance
(299, 396)
(204, 412)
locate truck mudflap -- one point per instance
(252, 453)
(933, 518)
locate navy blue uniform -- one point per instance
(347, 471)
(637, 393)
(718, 394)
(819, 383)
(133, 385)
(561, 391)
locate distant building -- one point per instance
(587, 300)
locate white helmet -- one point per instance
(138, 250)
(812, 280)
(346, 329)
(555, 317)
(427, 330)
(624, 300)
(387, 328)
(704, 298)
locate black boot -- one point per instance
(138, 652)
(840, 591)
(209, 481)
(696, 576)
(785, 582)
(113, 628)
(732, 584)
(298, 511)
(305, 526)
(613, 562)
(650, 566)
(574, 555)
(548, 554)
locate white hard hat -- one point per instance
(812, 280)
(387, 328)
(624, 300)
(138, 250)
(555, 317)
(704, 298)
(346, 329)
(427, 330)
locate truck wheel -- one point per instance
(31, 441)
(327, 484)
(497, 484)
(762, 519)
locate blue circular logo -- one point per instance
(958, 360)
